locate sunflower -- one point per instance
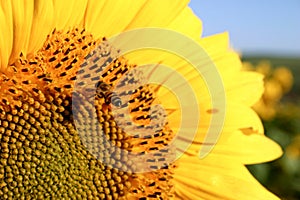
(45, 44)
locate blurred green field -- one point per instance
(282, 176)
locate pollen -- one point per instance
(45, 155)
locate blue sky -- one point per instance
(266, 26)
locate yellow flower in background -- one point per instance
(42, 156)
(293, 150)
(278, 82)
(284, 77)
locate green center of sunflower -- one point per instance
(43, 155)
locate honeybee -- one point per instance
(104, 90)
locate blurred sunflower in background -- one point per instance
(42, 48)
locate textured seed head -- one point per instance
(46, 156)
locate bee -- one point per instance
(104, 90)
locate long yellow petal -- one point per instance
(6, 35)
(69, 13)
(187, 23)
(239, 116)
(247, 88)
(22, 20)
(227, 61)
(93, 10)
(42, 24)
(120, 13)
(248, 148)
(216, 177)
(157, 13)
(77, 15)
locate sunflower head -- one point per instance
(80, 118)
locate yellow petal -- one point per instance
(220, 41)
(42, 24)
(111, 17)
(227, 61)
(216, 177)
(62, 13)
(239, 116)
(78, 12)
(187, 23)
(69, 13)
(6, 35)
(157, 13)
(247, 89)
(248, 148)
(22, 19)
(91, 19)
